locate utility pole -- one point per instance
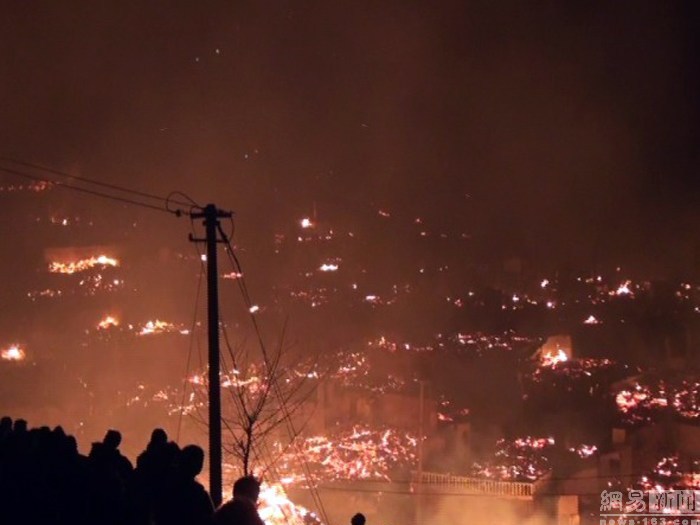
(211, 215)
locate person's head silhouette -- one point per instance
(358, 519)
(191, 460)
(247, 487)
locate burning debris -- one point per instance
(13, 353)
(355, 370)
(552, 359)
(560, 366)
(646, 401)
(161, 327)
(107, 322)
(520, 459)
(624, 289)
(670, 474)
(670, 489)
(361, 453)
(584, 451)
(82, 265)
(450, 414)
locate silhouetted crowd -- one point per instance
(44, 479)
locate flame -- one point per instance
(624, 288)
(275, 508)
(13, 353)
(160, 327)
(82, 264)
(591, 319)
(550, 359)
(108, 322)
(306, 223)
(326, 267)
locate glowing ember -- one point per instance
(328, 267)
(643, 402)
(12, 353)
(306, 223)
(591, 319)
(552, 359)
(253, 309)
(82, 264)
(668, 475)
(521, 459)
(107, 322)
(584, 451)
(47, 293)
(362, 453)
(627, 400)
(686, 400)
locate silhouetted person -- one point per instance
(358, 519)
(110, 472)
(69, 480)
(121, 463)
(5, 427)
(242, 509)
(155, 468)
(17, 468)
(20, 426)
(184, 501)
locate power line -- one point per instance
(93, 192)
(189, 351)
(115, 187)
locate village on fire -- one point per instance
(559, 399)
(302, 262)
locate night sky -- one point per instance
(563, 132)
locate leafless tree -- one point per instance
(269, 391)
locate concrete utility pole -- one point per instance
(211, 215)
